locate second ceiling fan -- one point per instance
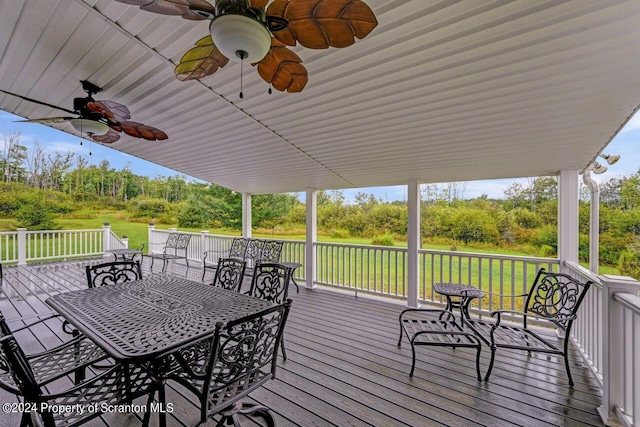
(259, 31)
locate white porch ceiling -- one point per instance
(440, 91)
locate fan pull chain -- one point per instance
(270, 91)
(80, 131)
(90, 143)
(241, 73)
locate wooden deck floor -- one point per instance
(344, 368)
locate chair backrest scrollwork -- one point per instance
(556, 297)
(111, 273)
(229, 274)
(270, 282)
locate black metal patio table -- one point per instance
(124, 254)
(464, 294)
(144, 320)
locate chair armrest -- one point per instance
(441, 313)
(48, 316)
(498, 315)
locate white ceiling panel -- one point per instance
(439, 91)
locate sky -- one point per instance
(626, 144)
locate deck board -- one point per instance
(344, 367)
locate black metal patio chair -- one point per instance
(226, 367)
(43, 377)
(270, 282)
(174, 248)
(237, 250)
(119, 384)
(438, 328)
(554, 299)
(229, 274)
(55, 362)
(110, 273)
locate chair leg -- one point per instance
(147, 412)
(230, 415)
(284, 353)
(413, 360)
(493, 356)
(566, 365)
(478, 362)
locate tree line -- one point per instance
(38, 185)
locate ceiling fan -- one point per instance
(101, 120)
(249, 30)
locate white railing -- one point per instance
(116, 242)
(373, 269)
(23, 246)
(46, 245)
(627, 409)
(587, 333)
(381, 270)
(8, 246)
(621, 344)
(502, 278)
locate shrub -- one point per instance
(473, 225)
(525, 218)
(148, 207)
(36, 216)
(629, 264)
(191, 215)
(340, 233)
(546, 251)
(383, 240)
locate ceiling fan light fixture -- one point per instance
(240, 37)
(91, 127)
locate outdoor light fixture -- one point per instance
(598, 168)
(240, 37)
(610, 158)
(90, 127)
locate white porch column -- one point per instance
(246, 215)
(106, 239)
(568, 216)
(150, 237)
(312, 238)
(413, 242)
(22, 246)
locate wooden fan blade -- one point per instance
(201, 61)
(260, 4)
(174, 7)
(35, 101)
(108, 138)
(111, 110)
(139, 130)
(47, 120)
(318, 24)
(283, 68)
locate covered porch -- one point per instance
(344, 368)
(440, 91)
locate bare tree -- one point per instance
(13, 154)
(36, 164)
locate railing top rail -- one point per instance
(584, 272)
(347, 245)
(63, 231)
(630, 301)
(7, 233)
(492, 256)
